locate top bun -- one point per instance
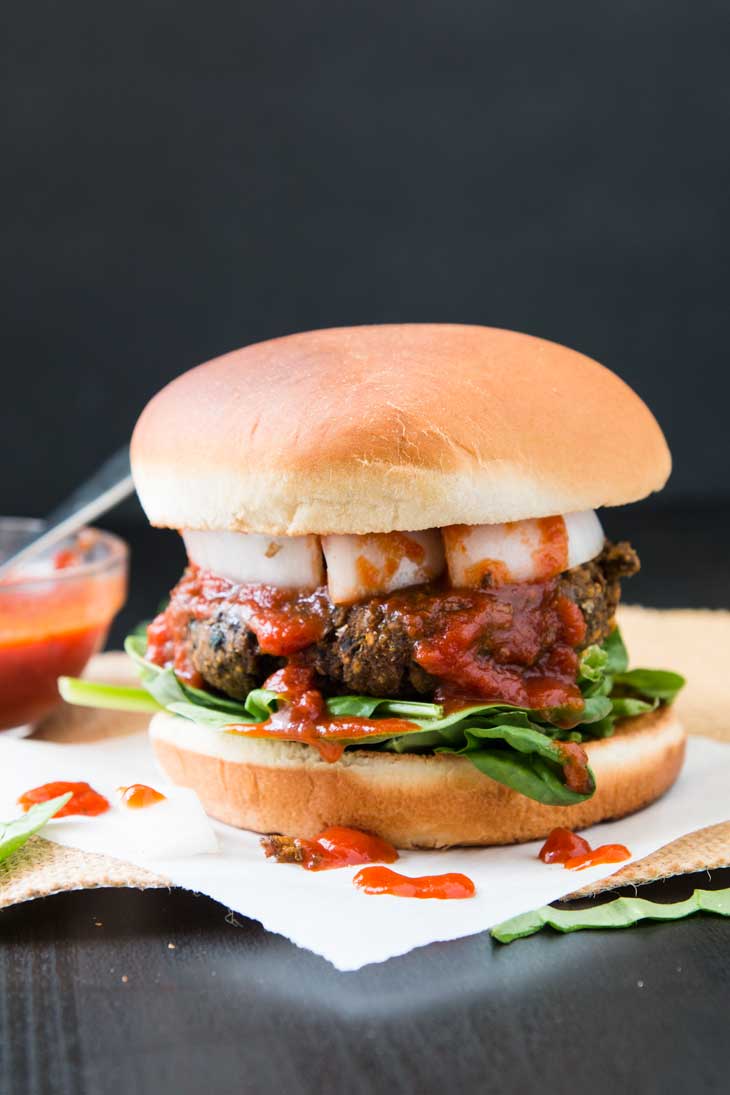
(375, 429)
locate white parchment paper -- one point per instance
(323, 911)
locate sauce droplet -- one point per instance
(561, 845)
(138, 796)
(334, 847)
(84, 801)
(379, 880)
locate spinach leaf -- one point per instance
(657, 684)
(14, 834)
(513, 745)
(617, 658)
(622, 912)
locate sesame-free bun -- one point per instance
(412, 800)
(403, 427)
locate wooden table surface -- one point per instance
(119, 991)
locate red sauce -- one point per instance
(65, 558)
(49, 628)
(551, 556)
(575, 767)
(562, 845)
(379, 880)
(394, 547)
(303, 717)
(575, 853)
(514, 643)
(334, 847)
(29, 671)
(138, 796)
(85, 800)
(283, 620)
(607, 853)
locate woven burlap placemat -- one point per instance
(693, 641)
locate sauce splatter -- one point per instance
(576, 854)
(283, 620)
(337, 846)
(445, 887)
(303, 717)
(138, 796)
(515, 643)
(84, 799)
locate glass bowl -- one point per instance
(55, 612)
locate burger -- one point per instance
(399, 613)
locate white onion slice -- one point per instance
(585, 537)
(290, 562)
(520, 550)
(380, 562)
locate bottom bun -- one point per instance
(414, 801)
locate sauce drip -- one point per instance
(551, 555)
(334, 847)
(575, 853)
(138, 796)
(302, 716)
(283, 620)
(514, 643)
(393, 547)
(85, 800)
(381, 880)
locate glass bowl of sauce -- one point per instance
(55, 613)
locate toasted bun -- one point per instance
(374, 429)
(411, 800)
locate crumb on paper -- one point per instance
(171, 946)
(289, 849)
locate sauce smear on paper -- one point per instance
(84, 801)
(381, 880)
(606, 853)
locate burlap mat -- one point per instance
(694, 642)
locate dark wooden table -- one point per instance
(118, 991)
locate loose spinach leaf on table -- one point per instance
(14, 834)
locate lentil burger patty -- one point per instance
(368, 650)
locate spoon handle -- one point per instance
(110, 484)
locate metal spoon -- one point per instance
(111, 484)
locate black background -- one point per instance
(183, 178)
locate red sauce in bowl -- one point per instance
(52, 622)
